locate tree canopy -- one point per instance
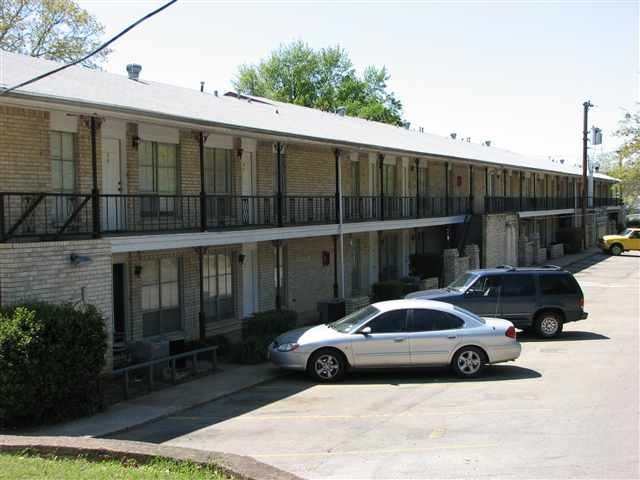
(627, 168)
(325, 79)
(52, 29)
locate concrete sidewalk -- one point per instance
(162, 403)
(573, 258)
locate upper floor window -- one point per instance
(389, 179)
(217, 170)
(62, 161)
(423, 180)
(158, 175)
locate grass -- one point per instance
(29, 466)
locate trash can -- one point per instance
(331, 310)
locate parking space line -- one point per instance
(360, 416)
(390, 451)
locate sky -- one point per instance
(514, 72)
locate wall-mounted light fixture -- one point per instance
(79, 259)
(135, 141)
(241, 258)
(137, 270)
(239, 152)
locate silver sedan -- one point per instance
(398, 333)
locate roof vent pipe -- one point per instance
(487, 143)
(133, 69)
(341, 111)
(201, 86)
(468, 139)
(215, 93)
(453, 135)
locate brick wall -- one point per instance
(500, 235)
(44, 272)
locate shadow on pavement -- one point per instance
(570, 336)
(248, 402)
(585, 263)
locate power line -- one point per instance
(89, 55)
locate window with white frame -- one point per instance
(158, 175)
(218, 286)
(63, 166)
(217, 170)
(389, 180)
(160, 296)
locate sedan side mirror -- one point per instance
(365, 331)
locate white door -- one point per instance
(113, 206)
(248, 203)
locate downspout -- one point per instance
(95, 193)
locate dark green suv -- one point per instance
(540, 299)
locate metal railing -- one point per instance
(171, 360)
(517, 204)
(370, 208)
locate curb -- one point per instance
(245, 468)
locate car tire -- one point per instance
(548, 324)
(616, 249)
(326, 365)
(468, 362)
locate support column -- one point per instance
(471, 209)
(336, 154)
(95, 192)
(521, 185)
(203, 195)
(279, 187)
(201, 313)
(446, 189)
(277, 244)
(381, 167)
(417, 188)
(335, 266)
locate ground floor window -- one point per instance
(160, 296)
(218, 286)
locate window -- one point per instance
(160, 296)
(518, 286)
(217, 170)
(424, 320)
(63, 162)
(389, 179)
(355, 178)
(159, 175)
(487, 286)
(218, 286)
(389, 322)
(279, 274)
(423, 181)
(557, 285)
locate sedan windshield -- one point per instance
(349, 323)
(462, 282)
(627, 232)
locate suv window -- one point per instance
(424, 320)
(557, 285)
(518, 286)
(389, 322)
(486, 286)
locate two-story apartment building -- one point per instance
(180, 213)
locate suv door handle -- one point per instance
(398, 339)
(452, 337)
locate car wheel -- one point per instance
(326, 365)
(548, 325)
(468, 362)
(616, 249)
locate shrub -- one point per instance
(571, 237)
(425, 265)
(633, 220)
(391, 290)
(50, 360)
(259, 330)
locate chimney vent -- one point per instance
(487, 143)
(453, 135)
(201, 86)
(133, 69)
(468, 139)
(341, 111)
(215, 93)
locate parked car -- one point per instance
(398, 333)
(629, 239)
(541, 299)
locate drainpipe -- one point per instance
(279, 187)
(381, 167)
(203, 196)
(95, 193)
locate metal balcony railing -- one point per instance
(518, 204)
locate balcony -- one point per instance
(524, 204)
(53, 216)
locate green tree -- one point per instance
(627, 166)
(324, 79)
(52, 29)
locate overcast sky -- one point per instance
(514, 72)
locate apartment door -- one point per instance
(113, 206)
(356, 267)
(248, 174)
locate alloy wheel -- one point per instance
(326, 366)
(469, 362)
(549, 326)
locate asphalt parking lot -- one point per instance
(566, 408)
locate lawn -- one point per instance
(26, 466)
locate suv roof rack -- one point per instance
(507, 267)
(552, 267)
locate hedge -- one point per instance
(50, 360)
(259, 330)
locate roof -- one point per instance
(101, 90)
(509, 269)
(412, 303)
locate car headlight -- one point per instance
(287, 347)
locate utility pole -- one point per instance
(585, 132)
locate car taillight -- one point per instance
(511, 332)
(581, 302)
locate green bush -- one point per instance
(50, 360)
(633, 220)
(259, 330)
(425, 265)
(391, 290)
(571, 237)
